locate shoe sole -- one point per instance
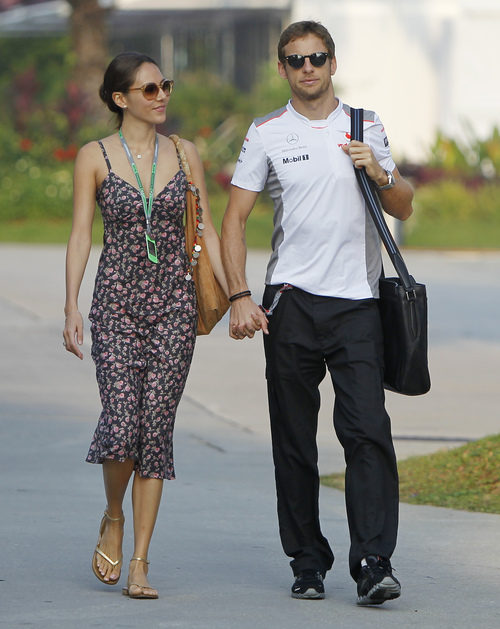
(126, 592)
(386, 590)
(310, 594)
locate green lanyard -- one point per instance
(147, 203)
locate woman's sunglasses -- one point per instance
(317, 59)
(151, 90)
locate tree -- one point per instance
(88, 31)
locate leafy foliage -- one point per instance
(43, 125)
(41, 128)
(457, 199)
(474, 161)
(451, 214)
(216, 116)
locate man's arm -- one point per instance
(396, 201)
(246, 316)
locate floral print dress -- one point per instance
(143, 328)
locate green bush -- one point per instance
(449, 214)
(41, 127)
(470, 159)
(216, 117)
(453, 201)
(33, 190)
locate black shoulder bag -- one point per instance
(402, 303)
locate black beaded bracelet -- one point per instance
(244, 293)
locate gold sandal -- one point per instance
(141, 593)
(98, 551)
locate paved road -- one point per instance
(216, 557)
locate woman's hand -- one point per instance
(73, 333)
(246, 319)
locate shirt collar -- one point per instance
(316, 124)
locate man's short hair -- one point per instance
(301, 29)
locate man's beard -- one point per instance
(311, 95)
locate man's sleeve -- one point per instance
(251, 168)
(376, 137)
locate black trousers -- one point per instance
(307, 335)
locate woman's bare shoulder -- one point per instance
(89, 151)
(92, 151)
(191, 152)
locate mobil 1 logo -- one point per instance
(295, 159)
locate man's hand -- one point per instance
(246, 319)
(396, 201)
(362, 156)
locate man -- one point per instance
(320, 310)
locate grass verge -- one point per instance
(44, 231)
(56, 231)
(464, 234)
(465, 478)
(439, 235)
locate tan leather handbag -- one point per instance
(211, 298)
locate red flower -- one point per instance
(59, 154)
(25, 144)
(71, 152)
(65, 154)
(223, 179)
(205, 131)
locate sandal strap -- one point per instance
(108, 559)
(106, 515)
(143, 587)
(139, 559)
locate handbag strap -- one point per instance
(194, 213)
(182, 155)
(187, 171)
(375, 208)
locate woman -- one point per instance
(143, 312)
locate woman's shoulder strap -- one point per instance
(108, 164)
(181, 155)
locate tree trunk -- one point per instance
(88, 30)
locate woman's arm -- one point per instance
(210, 235)
(80, 241)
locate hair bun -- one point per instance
(103, 93)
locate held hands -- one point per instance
(362, 156)
(246, 319)
(73, 333)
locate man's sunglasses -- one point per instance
(150, 91)
(317, 59)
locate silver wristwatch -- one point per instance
(390, 183)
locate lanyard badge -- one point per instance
(151, 249)
(146, 203)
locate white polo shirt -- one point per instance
(324, 240)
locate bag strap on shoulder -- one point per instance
(375, 208)
(182, 154)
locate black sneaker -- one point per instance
(308, 584)
(376, 583)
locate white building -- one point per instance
(423, 65)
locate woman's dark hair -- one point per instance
(298, 30)
(119, 76)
